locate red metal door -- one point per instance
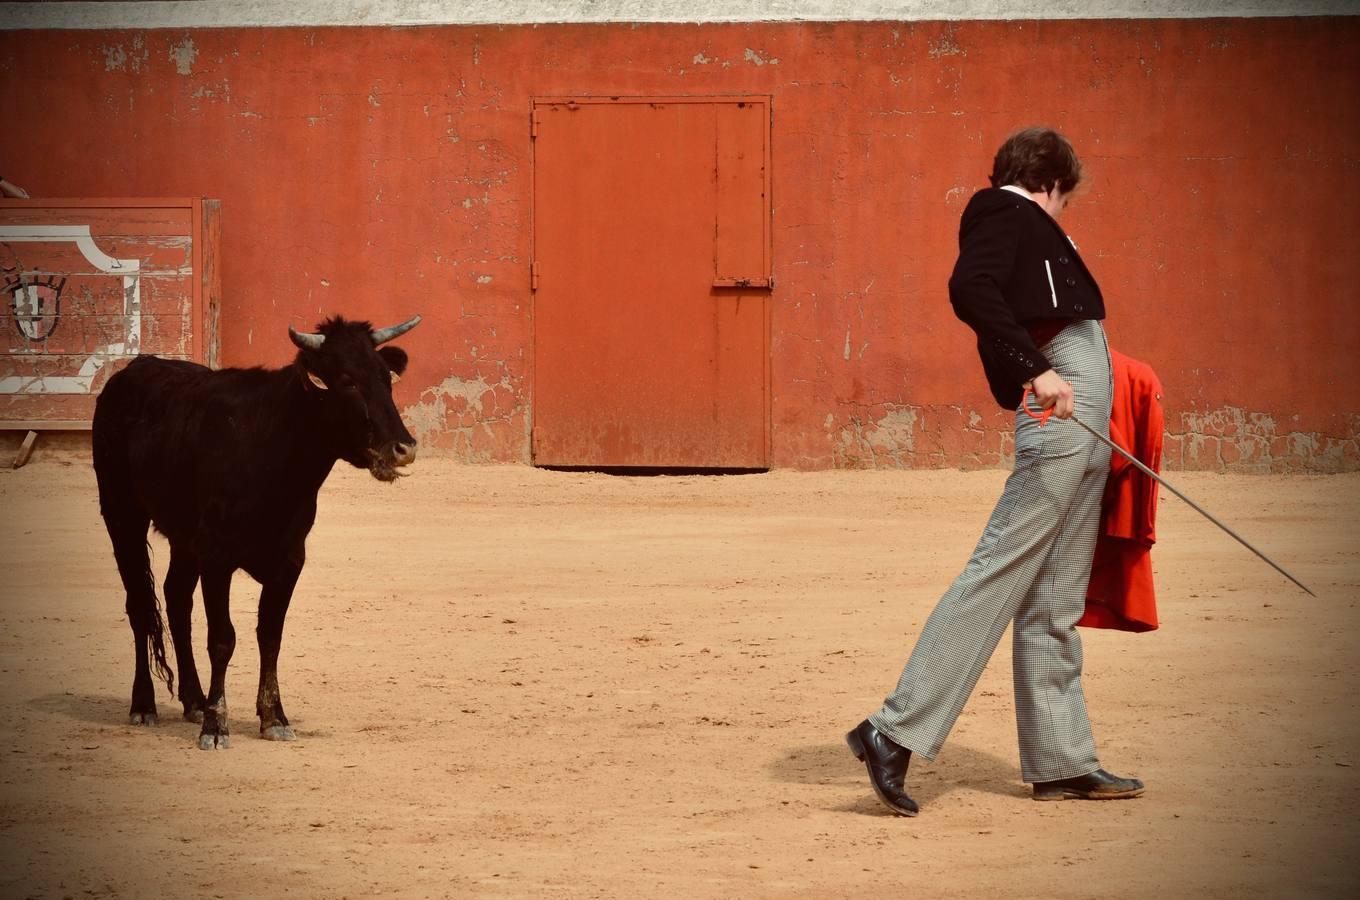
(651, 272)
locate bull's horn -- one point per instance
(306, 340)
(383, 335)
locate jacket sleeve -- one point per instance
(987, 252)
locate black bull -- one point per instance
(227, 465)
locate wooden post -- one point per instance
(26, 449)
(212, 283)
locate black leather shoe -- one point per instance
(887, 765)
(1099, 785)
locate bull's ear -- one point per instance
(395, 357)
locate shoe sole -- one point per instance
(1068, 794)
(857, 748)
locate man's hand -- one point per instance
(1052, 391)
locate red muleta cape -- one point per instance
(1120, 594)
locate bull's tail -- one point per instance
(126, 520)
(155, 625)
(133, 554)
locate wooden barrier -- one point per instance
(92, 283)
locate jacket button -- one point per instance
(1071, 282)
(1064, 260)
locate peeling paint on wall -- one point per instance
(1227, 440)
(468, 416)
(1232, 439)
(885, 443)
(183, 55)
(946, 46)
(914, 437)
(115, 58)
(119, 59)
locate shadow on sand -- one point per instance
(96, 709)
(111, 711)
(959, 768)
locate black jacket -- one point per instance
(1016, 266)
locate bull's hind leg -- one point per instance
(128, 534)
(274, 600)
(180, 582)
(221, 644)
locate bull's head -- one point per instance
(351, 373)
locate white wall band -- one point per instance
(317, 13)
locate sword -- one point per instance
(1043, 420)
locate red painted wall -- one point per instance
(381, 172)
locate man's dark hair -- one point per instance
(1037, 159)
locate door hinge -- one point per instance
(533, 123)
(533, 276)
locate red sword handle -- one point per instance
(1042, 416)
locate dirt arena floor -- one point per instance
(517, 683)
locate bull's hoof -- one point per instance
(193, 715)
(278, 733)
(142, 718)
(214, 741)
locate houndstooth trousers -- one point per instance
(1030, 568)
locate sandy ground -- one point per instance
(515, 683)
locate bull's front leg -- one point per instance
(274, 599)
(221, 644)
